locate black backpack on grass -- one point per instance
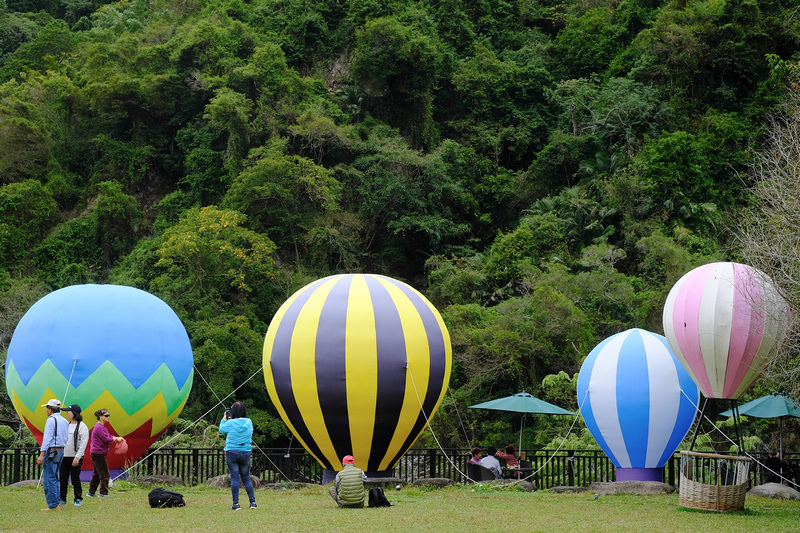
(377, 498)
(160, 497)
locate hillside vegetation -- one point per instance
(543, 171)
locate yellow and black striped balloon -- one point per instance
(354, 364)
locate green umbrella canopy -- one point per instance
(524, 403)
(769, 406)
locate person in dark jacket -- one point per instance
(348, 488)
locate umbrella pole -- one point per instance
(522, 425)
(737, 425)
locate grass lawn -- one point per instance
(456, 509)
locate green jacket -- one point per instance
(350, 487)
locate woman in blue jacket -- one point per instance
(238, 445)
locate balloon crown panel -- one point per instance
(725, 322)
(105, 346)
(636, 399)
(354, 363)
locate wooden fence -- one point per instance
(196, 465)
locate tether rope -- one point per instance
(220, 402)
(455, 467)
(745, 452)
(207, 384)
(64, 402)
(41, 475)
(458, 413)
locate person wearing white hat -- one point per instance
(56, 430)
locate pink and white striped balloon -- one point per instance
(725, 323)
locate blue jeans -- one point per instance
(50, 478)
(239, 466)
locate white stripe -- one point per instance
(603, 398)
(665, 397)
(715, 323)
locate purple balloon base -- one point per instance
(640, 474)
(329, 476)
(86, 475)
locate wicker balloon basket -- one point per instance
(711, 482)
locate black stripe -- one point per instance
(330, 366)
(438, 362)
(279, 363)
(391, 380)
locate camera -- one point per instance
(227, 413)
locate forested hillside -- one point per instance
(543, 171)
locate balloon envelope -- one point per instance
(636, 399)
(107, 347)
(725, 323)
(354, 364)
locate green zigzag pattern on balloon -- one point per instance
(106, 377)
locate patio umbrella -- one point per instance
(769, 406)
(522, 403)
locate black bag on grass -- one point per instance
(161, 497)
(377, 498)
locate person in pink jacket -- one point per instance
(101, 440)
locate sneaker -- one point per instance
(235, 507)
(77, 503)
(104, 495)
(91, 495)
(62, 502)
(253, 505)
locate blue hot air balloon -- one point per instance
(102, 347)
(637, 401)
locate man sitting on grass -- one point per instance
(348, 489)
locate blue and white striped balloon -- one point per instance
(637, 401)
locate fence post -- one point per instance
(432, 462)
(195, 466)
(570, 467)
(671, 469)
(150, 455)
(17, 464)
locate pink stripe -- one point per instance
(685, 323)
(748, 328)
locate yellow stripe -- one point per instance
(269, 379)
(302, 365)
(418, 358)
(37, 417)
(123, 423)
(361, 368)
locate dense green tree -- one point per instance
(498, 103)
(295, 202)
(398, 61)
(543, 171)
(27, 213)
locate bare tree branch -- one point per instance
(769, 234)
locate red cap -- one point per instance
(348, 459)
